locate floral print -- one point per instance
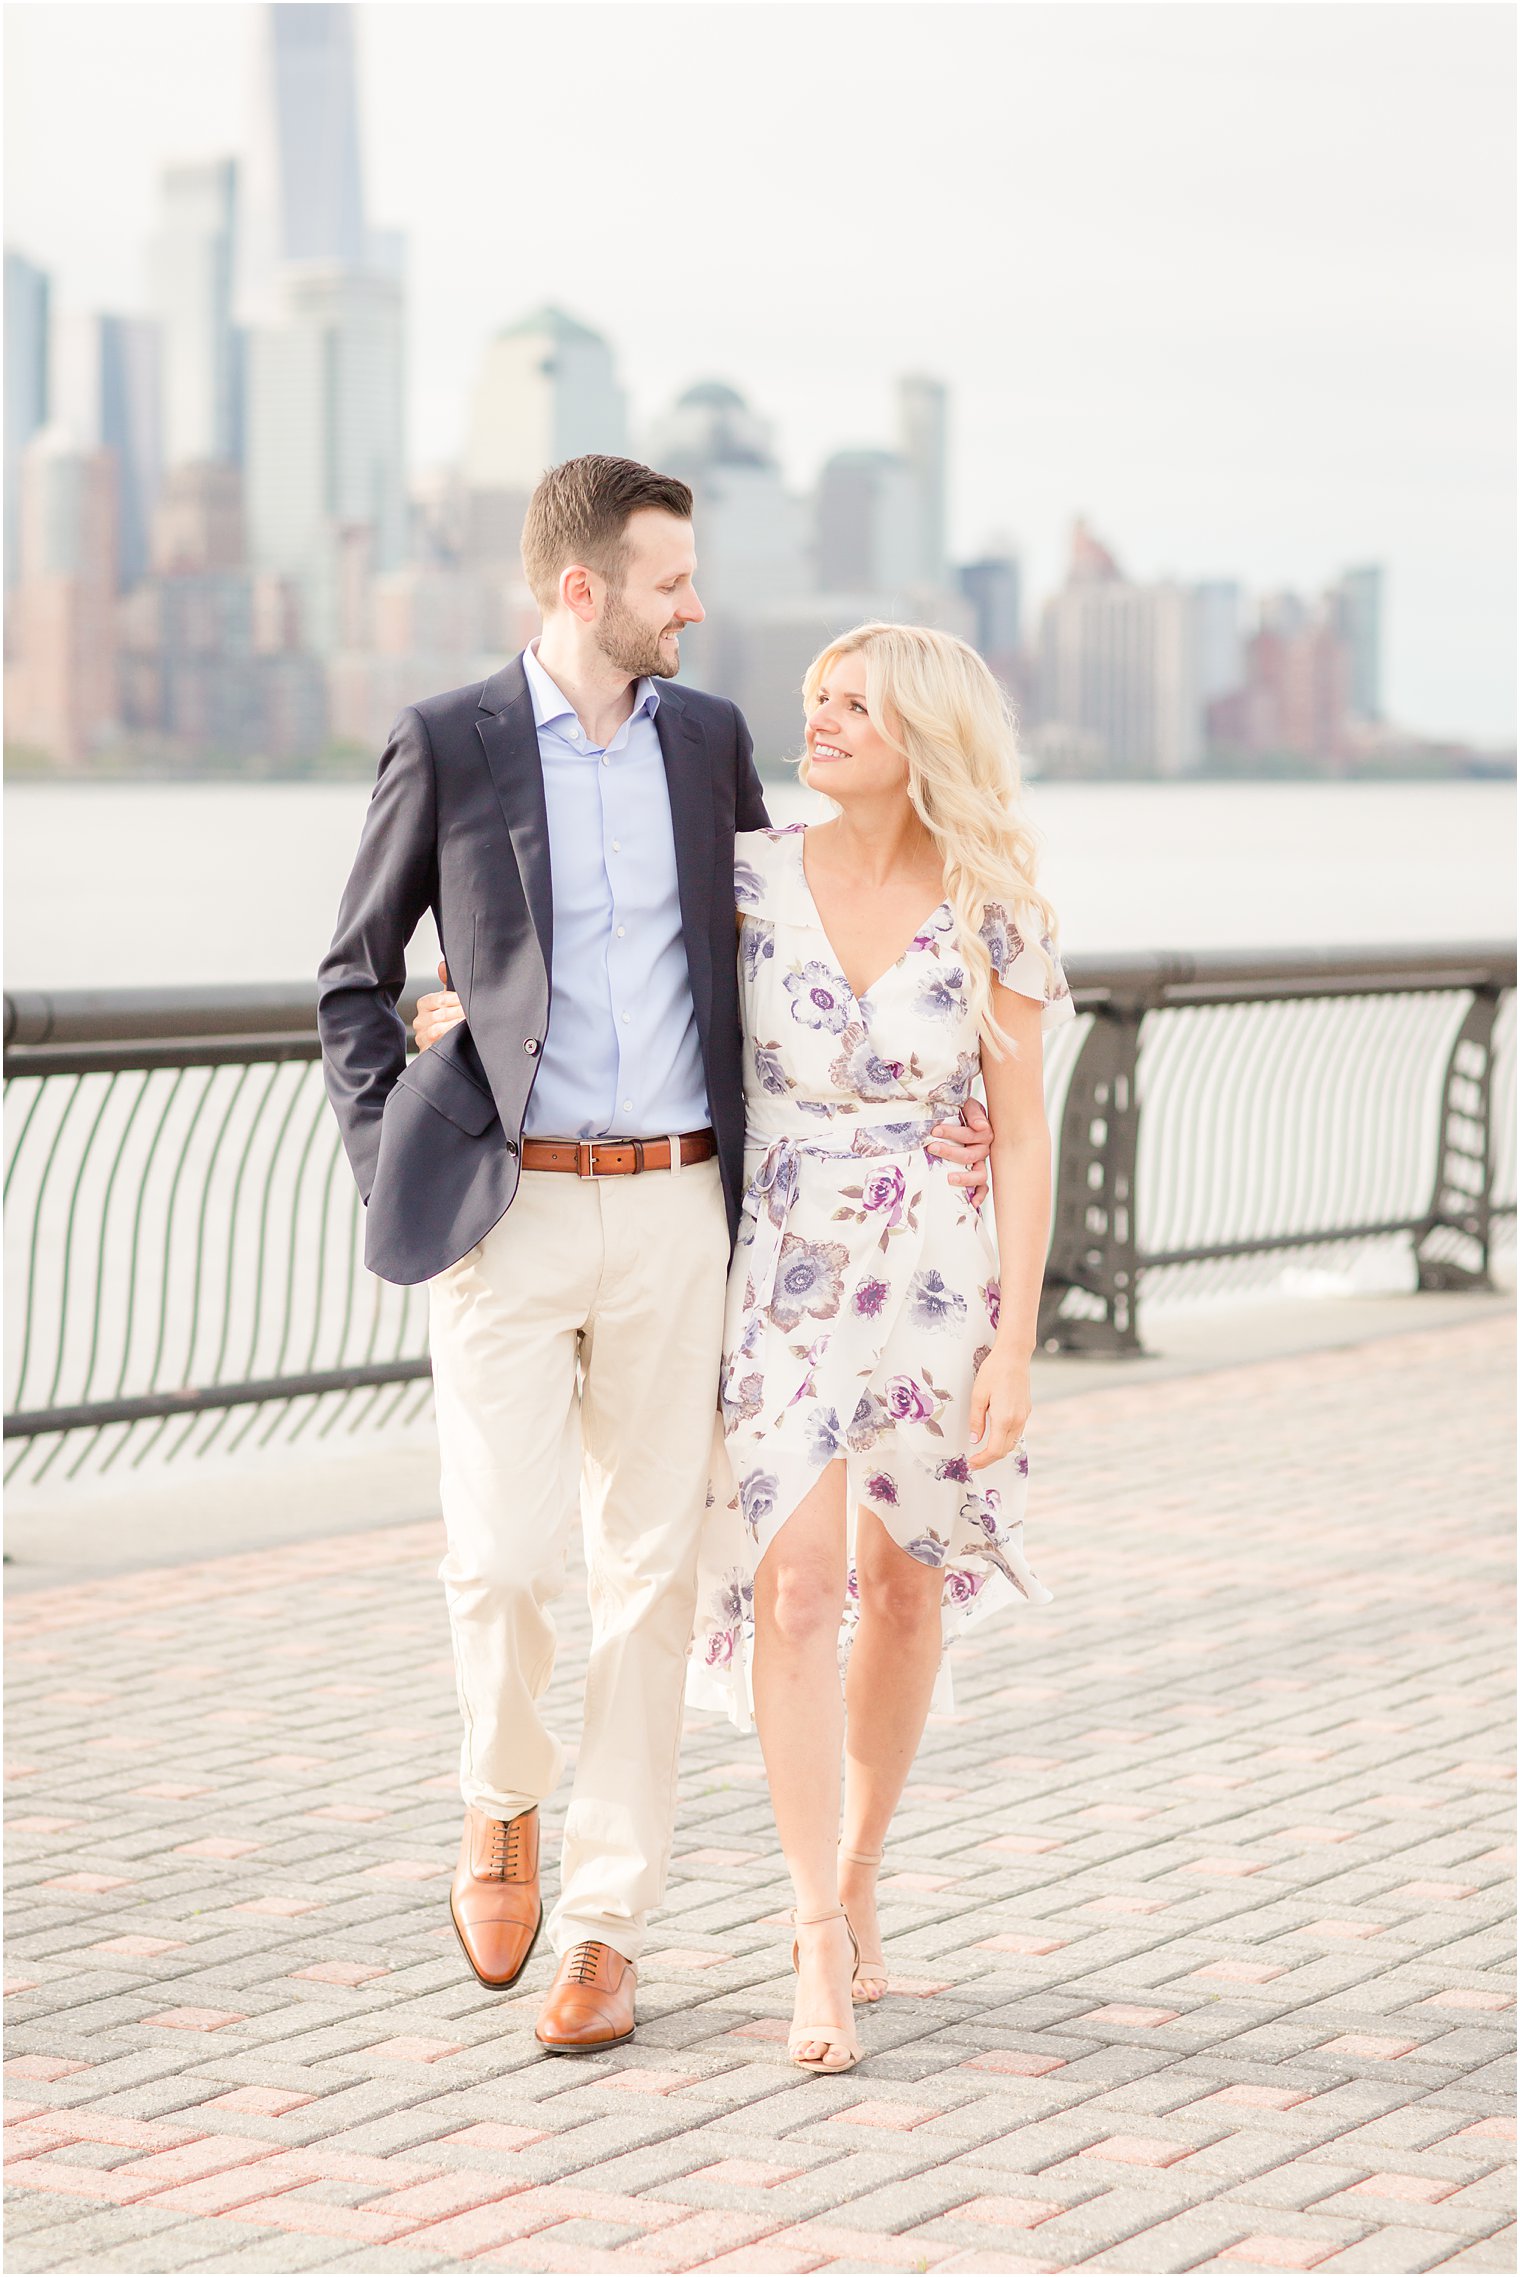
(864, 1293)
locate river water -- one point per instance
(149, 884)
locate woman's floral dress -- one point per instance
(864, 1291)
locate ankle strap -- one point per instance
(862, 1857)
(808, 1920)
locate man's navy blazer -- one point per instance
(457, 824)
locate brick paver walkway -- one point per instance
(1196, 1908)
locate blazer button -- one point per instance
(531, 1046)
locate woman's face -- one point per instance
(848, 758)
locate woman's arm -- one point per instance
(1020, 1163)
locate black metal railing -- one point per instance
(184, 1254)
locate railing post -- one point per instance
(1461, 1197)
(1094, 1243)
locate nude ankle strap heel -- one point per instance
(870, 1979)
(834, 2036)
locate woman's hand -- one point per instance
(967, 1145)
(437, 1013)
(1000, 1406)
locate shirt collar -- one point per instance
(551, 706)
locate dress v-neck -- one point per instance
(858, 996)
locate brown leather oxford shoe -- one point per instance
(590, 2003)
(493, 1898)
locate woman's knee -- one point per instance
(800, 1602)
(901, 1594)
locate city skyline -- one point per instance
(1449, 617)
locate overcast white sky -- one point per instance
(1235, 280)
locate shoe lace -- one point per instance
(584, 1963)
(505, 1855)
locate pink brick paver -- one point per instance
(1197, 1912)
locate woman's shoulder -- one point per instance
(1019, 965)
(760, 858)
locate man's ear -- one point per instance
(576, 592)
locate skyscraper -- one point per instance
(869, 535)
(190, 285)
(109, 394)
(994, 587)
(922, 407)
(1118, 662)
(304, 195)
(325, 420)
(27, 302)
(751, 530)
(1221, 647)
(1359, 598)
(61, 687)
(547, 391)
(326, 451)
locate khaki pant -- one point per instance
(575, 1365)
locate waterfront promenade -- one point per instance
(1196, 1910)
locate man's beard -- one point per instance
(630, 645)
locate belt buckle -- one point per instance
(585, 1157)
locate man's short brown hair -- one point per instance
(580, 511)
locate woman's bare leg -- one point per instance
(799, 1600)
(893, 1663)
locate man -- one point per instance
(564, 1168)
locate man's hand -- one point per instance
(967, 1143)
(437, 1013)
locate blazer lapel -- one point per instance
(509, 733)
(688, 778)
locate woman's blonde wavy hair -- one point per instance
(932, 698)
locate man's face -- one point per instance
(640, 623)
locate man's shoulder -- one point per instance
(715, 715)
(452, 707)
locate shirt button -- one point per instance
(604, 758)
(622, 929)
(627, 1016)
(627, 1106)
(617, 845)
(531, 1046)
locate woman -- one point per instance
(875, 1387)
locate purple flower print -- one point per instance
(770, 1071)
(867, 1074)
(906, 1401)
(825, 1440)
(869, 1299)
(961, 1587)
(867, 1423)
(994, 1295)
(942, 995)
(749, 886)
(817, 1000)
(757, 1500)
(809, 1279)
(775, 1182)
(981, 1511)
(734, 1598)
(883, 1488)
(931, 1304)
(929, 1549)
(756, 943)
(883, 1191)
(956, 1467)
(742, 1401)
(1001, 936)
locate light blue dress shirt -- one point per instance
(622, 1058)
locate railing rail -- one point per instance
(183, 1240)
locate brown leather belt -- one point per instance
(614, 1158)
